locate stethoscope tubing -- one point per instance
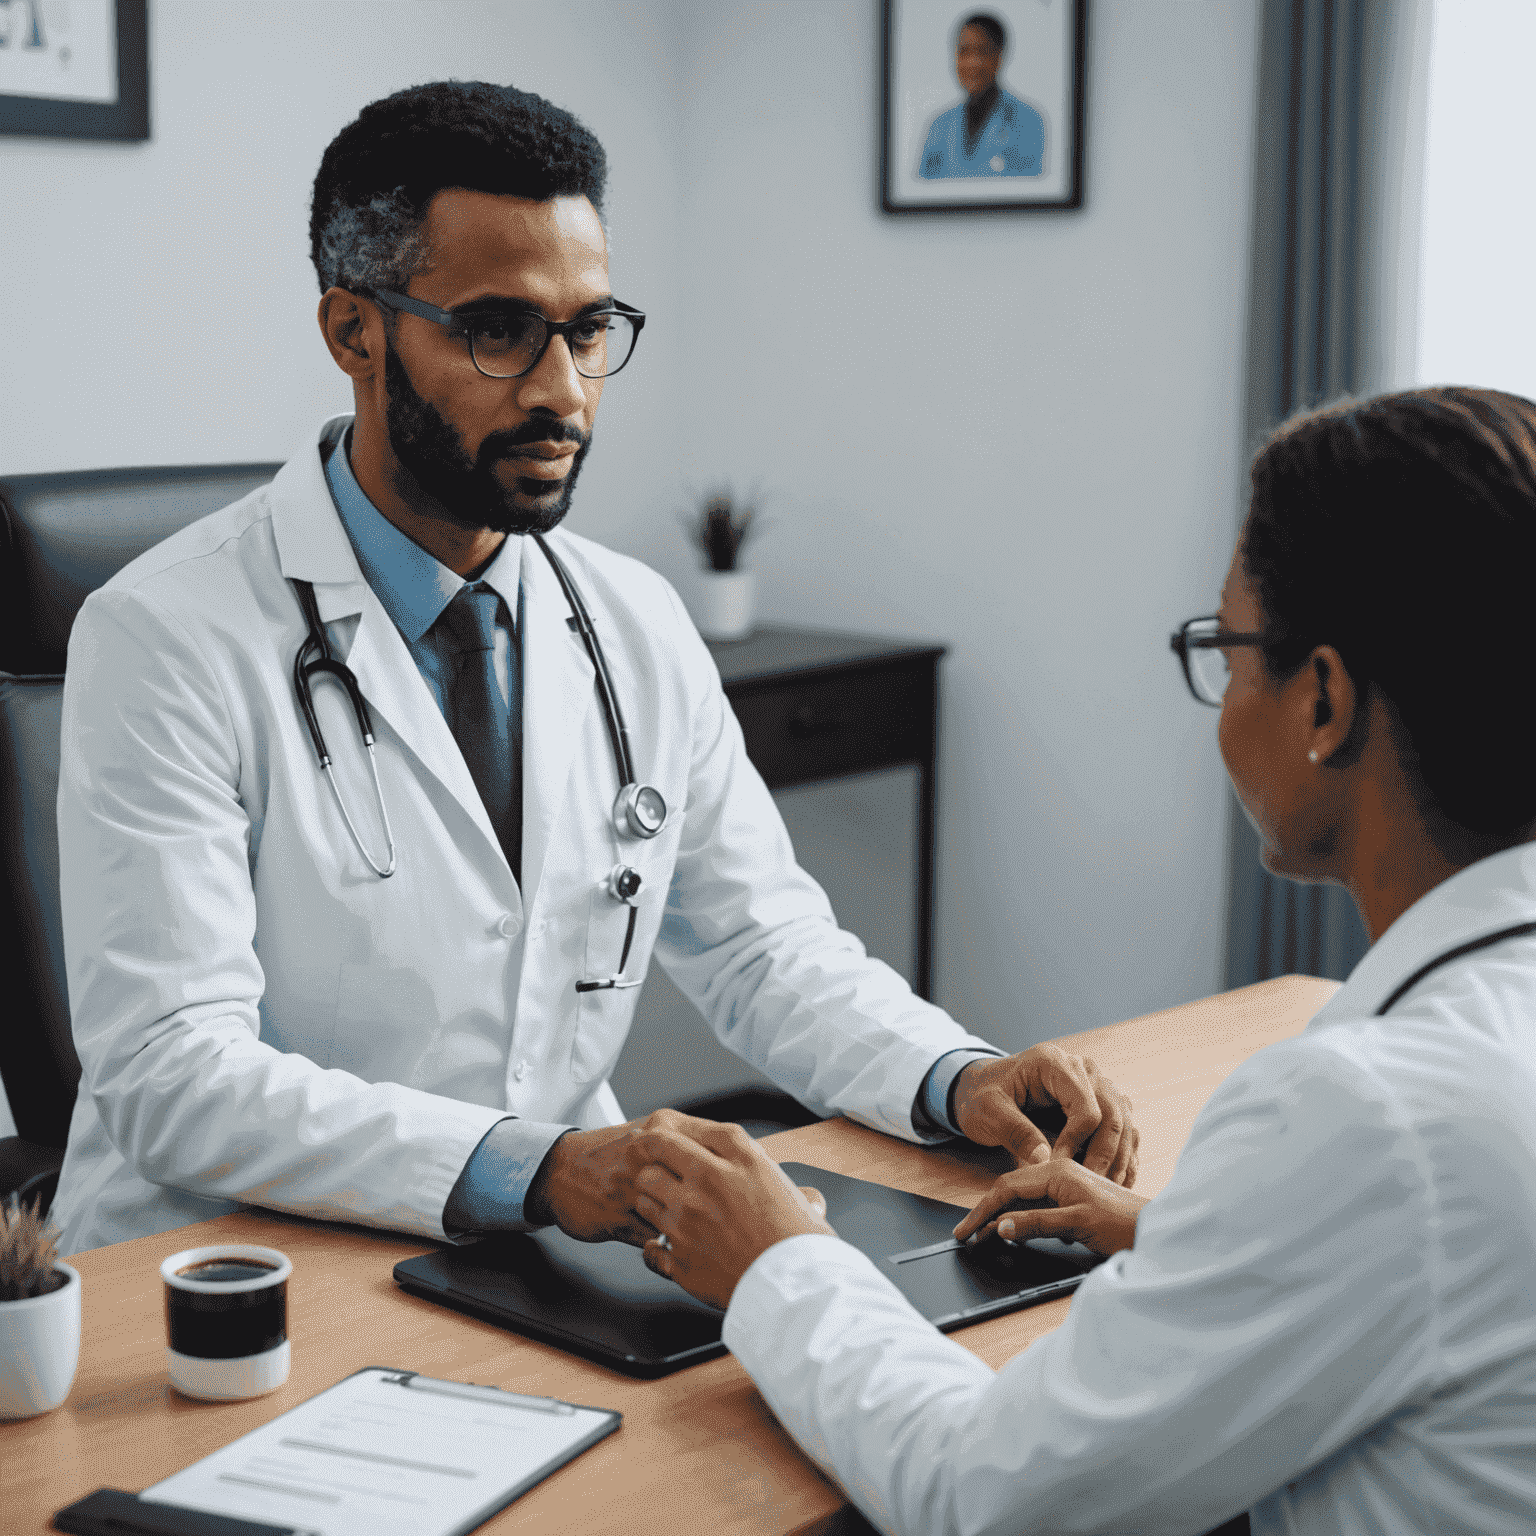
(618, 730)
(317, 644)
(1487, 941)
(618, 736)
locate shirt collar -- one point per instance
(413, 586)
(1496, 892)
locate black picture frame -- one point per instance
(126, 119)
(1070, 196)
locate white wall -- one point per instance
(159, 299)
(1394, 131)
(1017, 434)
(1476, 321)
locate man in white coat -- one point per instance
(358, 998)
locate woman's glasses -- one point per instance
(1200, 645)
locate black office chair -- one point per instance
(38, 1060)
(61, 537)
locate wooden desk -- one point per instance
(699, 1450)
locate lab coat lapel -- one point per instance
(394, 688)
(558, 691)
(313, 546)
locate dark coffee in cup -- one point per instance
(226, 1320)
(214, 1270)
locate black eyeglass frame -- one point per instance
(450, 320)
(1181, 643)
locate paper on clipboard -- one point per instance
(389, 1451)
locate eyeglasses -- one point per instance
(507, 343)
(1198, 643)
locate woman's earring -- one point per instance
(1312, 755)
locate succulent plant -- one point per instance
(29, 1250)
(720, 529)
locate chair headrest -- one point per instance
(64, 535)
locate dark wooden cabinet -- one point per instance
(817, 705)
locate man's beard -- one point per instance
(465, 486)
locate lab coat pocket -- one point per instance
(603, 1017)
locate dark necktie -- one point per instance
(487, 730)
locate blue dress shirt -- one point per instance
(414, 589)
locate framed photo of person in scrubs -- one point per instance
(982, 105)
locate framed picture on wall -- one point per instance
(982, 105)
(74, 69)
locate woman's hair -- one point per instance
(1402, 532)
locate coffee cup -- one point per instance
(226, 1320)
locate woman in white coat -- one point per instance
(1327, 1318)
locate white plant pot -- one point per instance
(39, 1349)
(724, 604)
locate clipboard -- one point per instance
(382, 1453)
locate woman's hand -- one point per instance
(1057, 1199)
(718, 1201)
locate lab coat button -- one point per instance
(507, 926)
(520, 1070)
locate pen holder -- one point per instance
(226, 1320)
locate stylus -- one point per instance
(949, 1245)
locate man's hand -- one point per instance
(1057, 1199)
(991, 1099)
(586, 1186)
(718, 1201)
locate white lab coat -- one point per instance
(1327, 1318)
(260, 1018)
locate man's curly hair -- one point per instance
(382, 170)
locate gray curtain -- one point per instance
(1308, 314)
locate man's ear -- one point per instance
(354, 332)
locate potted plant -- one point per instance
(39, 1314)
(723, 598)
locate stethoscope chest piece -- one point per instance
(624, 883)
(639, 811)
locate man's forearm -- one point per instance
(933, 1110)
(538, 1207)
(500, 1189)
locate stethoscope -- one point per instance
(1487, 941)
(639, 811)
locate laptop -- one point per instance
(598, 1300)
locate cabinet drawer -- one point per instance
(853, 722)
